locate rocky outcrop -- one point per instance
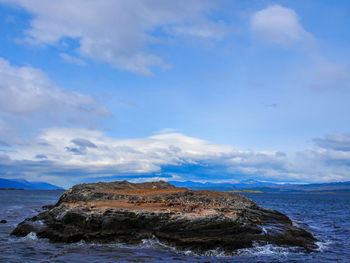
(185, 219)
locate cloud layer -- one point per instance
(70, 155)
(89, 153)
(25, 90)
(278, 25)
(339, 142)
(119, 32)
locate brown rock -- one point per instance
(196, 220)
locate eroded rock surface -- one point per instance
(185, 219)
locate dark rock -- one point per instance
(47, 207)
(24, 229)
(185, 219)
(3, 221)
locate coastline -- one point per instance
(11, 188)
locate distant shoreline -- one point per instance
(301, 192)
(11, 188)
(247, 191)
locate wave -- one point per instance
(30, 236)
(154, 243)
(269, 250)
(323, 245)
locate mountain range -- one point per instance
(23, 184)
(246, 185)
(267, 187)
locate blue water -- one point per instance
(327, 216)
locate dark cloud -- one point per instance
(41, 156)
(334, 142)
(83, 143)
(280, 154)
(78, 151)
(2, 143)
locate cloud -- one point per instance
(79, 154)
(278, 25)
(167, 130)
(82, 146)
(133, 155)
(27, 90)
(83, 143)
(73, 60)
(328, 161)
(73, 155)
(119, 32)
(41, 156)
(204, 29)
(337, 142)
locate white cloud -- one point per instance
(329, 160)
(26, 90)
(129, 155)
(71, 155)
(167, 130)
(73, 60)
(118, 32)
(6, 134)
(278, 25)
(92, 154)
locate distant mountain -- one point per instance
(267, 187)
(252, 183)
(242, 185)
(205, 186)
(23, 184)
(336, 187)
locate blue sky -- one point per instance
(176, 90)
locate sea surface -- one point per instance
(327, 216)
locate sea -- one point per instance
(326, 216)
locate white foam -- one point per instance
(323, 245)
(267, 250)
(264, 230)
(215, 253)
(31, 236)
(154, 243)
(296, 223)
(80, 243)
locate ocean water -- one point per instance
(327, 216)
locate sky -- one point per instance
(204, 90)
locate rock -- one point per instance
(47, 207)
(185, 219)
(3, 221)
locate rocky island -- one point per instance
(185, 219)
